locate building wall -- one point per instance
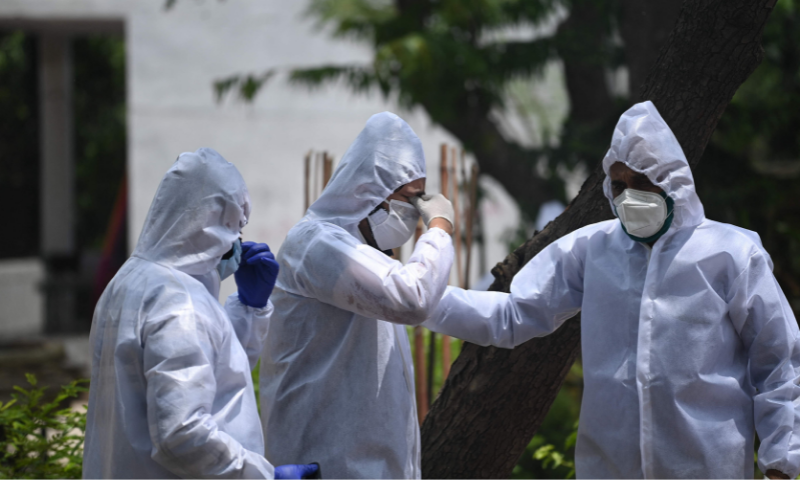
(173, 58)
(21, 306)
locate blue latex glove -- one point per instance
(256, 275)
(295, 471)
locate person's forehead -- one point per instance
(619, 171)
(619, 168)
(416, 185)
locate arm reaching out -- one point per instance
(546, 292)
(335, 269)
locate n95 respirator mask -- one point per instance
(393, 228)
(645, 216)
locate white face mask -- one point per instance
(641, 213)
(393, 228)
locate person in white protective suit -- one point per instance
(171, 393)
(689, 345)
(337, 379)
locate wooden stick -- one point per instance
(443, 171)
(445, 183)
(420, 374)
(452, 169)
(419, 370)
(419, 357)
(431, 365)
(471, 212)
(457, 225)
(306, 184)
(320, 173)
(327, 169)
(313, 180)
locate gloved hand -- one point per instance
(295, 471)
(256, 275)
(434, 206)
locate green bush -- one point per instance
(40, 439)
(552, 459)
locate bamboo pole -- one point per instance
(306, 183)
(457, 225)
(471, 212)
(312, 196)
(419, 357)
(327, 169)
(452, 168)
(320, 173)
(445, 184)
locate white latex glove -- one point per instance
(434, 206)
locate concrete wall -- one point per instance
(21, 302)
(173, 59)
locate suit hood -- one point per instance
(198, 211)
(643, 141)
(386, 155)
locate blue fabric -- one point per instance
(256, 275)
(295, 471)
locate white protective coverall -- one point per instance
(171, 393)
(337, 378)
(686, 348)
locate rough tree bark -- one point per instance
(494, 400)
(644, 27)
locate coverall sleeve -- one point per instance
(760, 312)
(546, 292)
(250, 324)
(366, 282)
(179, 353)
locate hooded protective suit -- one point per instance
(337, 379)
(686, 348)
(171, 393)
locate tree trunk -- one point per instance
(644, 27)
(494, 400)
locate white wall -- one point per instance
(21, 302)
(173, 59)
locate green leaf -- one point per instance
(543, 452)
(248, 86)
(42, 441)
(571, 440)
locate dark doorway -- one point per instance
(95, 127)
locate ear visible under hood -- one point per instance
(386, 155)
(644, 142)
(198, 212)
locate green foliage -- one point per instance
(558, 428)
(442, 55)
(248, 86)
(254, 373)
(464, 62)
(552, 459)
(41, 439)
